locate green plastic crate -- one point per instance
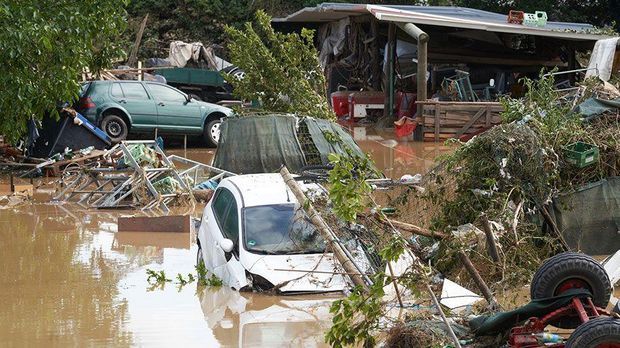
(581, 154)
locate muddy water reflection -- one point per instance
(57, 285)
(70, 279)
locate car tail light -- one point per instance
(86, 103)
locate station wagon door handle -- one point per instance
(161, 104)
(122, 101)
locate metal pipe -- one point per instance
(422, 39)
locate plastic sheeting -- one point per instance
(317, 130)
(589, 219)
(262, 144)
(602, 59)
(593, 107)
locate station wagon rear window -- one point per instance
(280, 229)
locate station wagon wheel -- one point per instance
(115, 127)
(212, 132)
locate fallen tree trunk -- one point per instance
(323, 228)
(417, 230)
(473, 272)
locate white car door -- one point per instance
(222, 222)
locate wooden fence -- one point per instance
(445, 120)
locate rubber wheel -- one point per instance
(601, 332)
(571, 270)
(212, 132)
(314, 172)
(115, 127)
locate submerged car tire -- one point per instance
(212, 132)
(571, 270)
(598, 332)
(115, 127)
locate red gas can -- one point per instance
(340, 102)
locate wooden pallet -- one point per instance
(445, 120)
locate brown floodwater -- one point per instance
(69, 278)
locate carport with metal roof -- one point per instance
(443, 35)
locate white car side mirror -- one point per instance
(227, 245)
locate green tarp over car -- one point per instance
(263, 143)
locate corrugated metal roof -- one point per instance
(455, 17)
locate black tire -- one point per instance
(571, 270)
(115, 127)
(598, 331)
(211, 133)
(314, 172)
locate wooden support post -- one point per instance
(437, 123)
(323, 228)
(140, 71)
(486, 227)
(486, 292)
(133, 56)
(185, 145)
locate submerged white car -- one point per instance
(254, 235)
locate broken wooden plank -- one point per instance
(471, 122)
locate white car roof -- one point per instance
(262, 189)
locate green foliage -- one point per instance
(348, 188)
(182, 281)
(282, 71)
(204, 279)
(357, 316)
(543, 108)
(44, 47)
(155, 277)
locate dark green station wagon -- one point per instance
(123, 107)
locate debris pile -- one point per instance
(136, 174)
(491, 213)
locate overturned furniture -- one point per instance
(135, 174)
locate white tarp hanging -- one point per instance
(602, 58)
(334, 39)
(182, 52)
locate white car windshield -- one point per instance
(280, 229)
